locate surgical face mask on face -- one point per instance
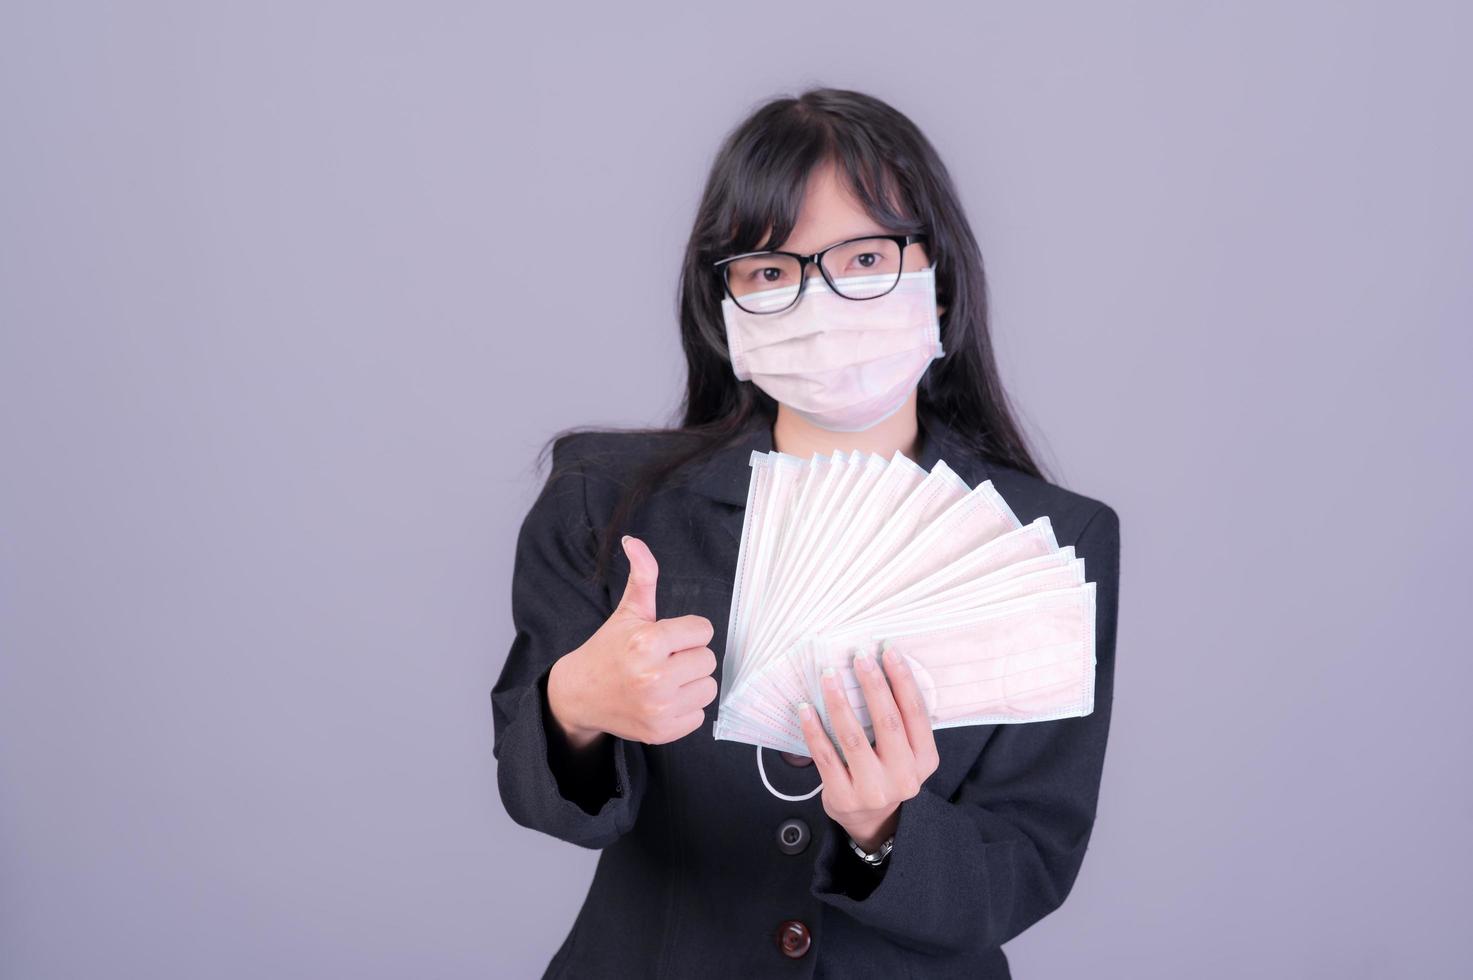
(845, 365)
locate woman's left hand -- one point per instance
(864, 796)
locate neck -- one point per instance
(796, 436)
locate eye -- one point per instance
(765, 275)
(867, 260)
(756, 272)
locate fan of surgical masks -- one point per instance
(852, 553)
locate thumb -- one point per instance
(639, 591)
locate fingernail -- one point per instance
(892, 656)
(830, 676)
(805, 710)
(864, 662)
(624, 543)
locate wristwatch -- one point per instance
(877, 857)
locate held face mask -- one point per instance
(842, 364)
(852, 553)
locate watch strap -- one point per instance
(876, 857)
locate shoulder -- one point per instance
(609, 453)
(588, 471)
(602, 464)
(1070, 512)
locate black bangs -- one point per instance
(769, 161)
(765, 166)
(876, 174)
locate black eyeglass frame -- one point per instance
(817, 259)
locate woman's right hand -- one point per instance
(638, 677)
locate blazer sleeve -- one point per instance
(976, 869)
(556, 605)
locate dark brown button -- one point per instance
(794, 759)
(793, 939)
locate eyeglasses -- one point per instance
(857, 268)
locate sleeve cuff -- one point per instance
(586, 802)
(901, 897)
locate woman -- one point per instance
(925, 851)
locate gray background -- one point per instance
(291, 294)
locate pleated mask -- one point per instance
(844, 365)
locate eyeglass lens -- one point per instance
(861, 269)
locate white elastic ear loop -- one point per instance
(782, 796)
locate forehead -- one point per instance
(830, 213)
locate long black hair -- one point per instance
(757, 184)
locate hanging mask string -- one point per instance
(762, 771)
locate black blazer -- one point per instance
(693, 880)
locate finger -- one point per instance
(696, 695)
(911, 703)
(891, 743)
(681, 632)
(831, 769)
(638, 600)
(864, 765)
(685, 724)
(685, 666)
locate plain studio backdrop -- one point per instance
(291, 294)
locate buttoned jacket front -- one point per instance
(693, 879)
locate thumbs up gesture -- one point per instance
(639, 677)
